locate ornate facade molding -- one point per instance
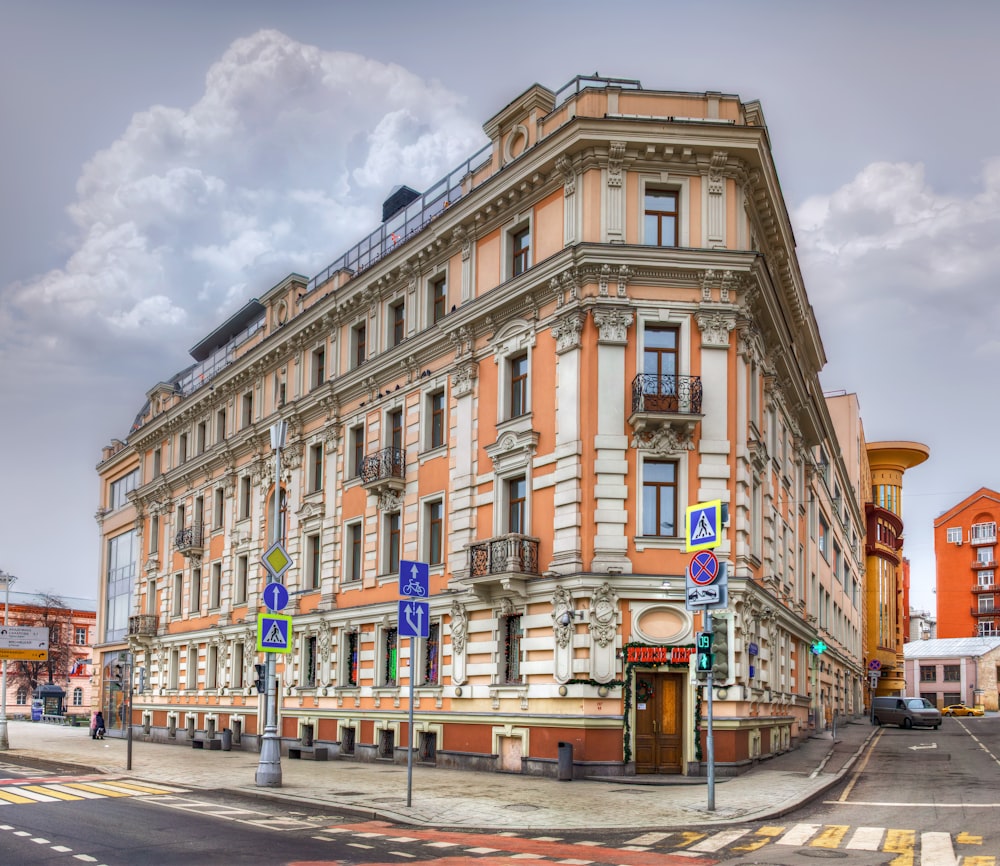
(463, 378)
(567, 330)
(604, 615)
(613, 325)
(715, 328)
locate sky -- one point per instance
(161, 164)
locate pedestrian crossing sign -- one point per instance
(702, 529)
(274, 633)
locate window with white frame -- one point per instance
(985, 603)
(518, 393)
(236, 674)
(438, 295)
(242, 576)
(434, 531)
(191, 674)
(983, 533)
(660, 217)
(182, 448)
(392, 524)
(394, 427)
(429, 673)
(985, 577)
(195, 600)
(356, 454)
(215, 586)
(353, 552)
(173, 669)
(177, 594)
(77, 697)
(359, 345)
(659, 498)
(312, 563)
(246, 410)
(118, 496)
(519, 257)
(80, 635)
(154, 534)
(201, 437)
(511, 635)
(436, 419)
(984, 554)
(397, 323)
(317, 368)
(954, 535)
(315, 467)
(388, 674)
(220, 425)
(22, 697)
(211, 666)
(350, 659)
(245, 497)
(219, 508)
(310, 662)
(822, 542)
(516, 500)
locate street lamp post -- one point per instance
(7, 579)
(269, 766)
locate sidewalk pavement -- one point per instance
(464, 799)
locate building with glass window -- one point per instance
(70, 623)
(522, 377)
(949, 671)
(965, 543)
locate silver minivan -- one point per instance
(906, 712)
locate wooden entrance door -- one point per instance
(657, 722)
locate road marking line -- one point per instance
(866, 839)
(359, 845)
(482, 850)
(85, 857)
(402, 854)
(718, 841)
(760, 838)
(831, 837)
(55, 792)
(648, 839)
(38, 840)
(441, 844)
(147, 789)
(798, 835)
(62, 849)
(7, 797)
(914, 805)
(95, 789)
(936, 850)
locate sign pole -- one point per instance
(709, 736)
(409, 736)
(127, 713)
(269, 766)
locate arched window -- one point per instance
(77, 697)
(22, 697)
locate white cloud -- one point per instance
(280, 166)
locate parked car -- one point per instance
(961, 710)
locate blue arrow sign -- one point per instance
(414, 618)
(414, 579)
(275, 596)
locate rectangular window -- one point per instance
(517, 492)
(359, 345)
(310, 662)
(357, 455)
(173, 675)
(154, 534)
(157, 463)
(219, 508)
(824, 530)
(660, 218)
(985, 603)
(434, 515)
(312, 561)
(246, 410)
(952, 673)
(429, 675)
(437, 423)
(983, 533)
(984, 554)
(928, 673)
(201, 437)
(211, 666)
(390, 657)
(985, 577)
(318, 372)
(352, 647)
(393, 527)
(280, 389)
(236, 674)
(118, 497)
(215, 586)
(396, 429)
(242, 576)
(439, 298)
(80, 636)
(195, 604)
(244, 497)
(518, 368)
(191, 676)
(122, 554)
(182, 448)
(520, 251)
(316, 467)
(220, 425)
(355, 552)
(510, 627)
(177, 595)
(397, 316)
(659, 498)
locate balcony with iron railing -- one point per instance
(505, 559)
(984, 563)
(985, 611)
(665, 404)
(384, 470)
(142, 625)
(984, 587)
(191, 539)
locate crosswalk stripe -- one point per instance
(798, 835)
(96, 788)
(146, 789)
(47, 789)
(718, 841)
(866, 839)
(936, 850)
(33, 796)
(831, 837)
(85, 795)
(10, 797)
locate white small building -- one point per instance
(953, 670)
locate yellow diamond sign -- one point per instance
(276, 560)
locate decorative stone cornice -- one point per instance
(463, 377)
(612, 325)
(567, 330)
(715, 327)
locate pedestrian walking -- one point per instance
(98, 726)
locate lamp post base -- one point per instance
(269, 766)
(4, 742)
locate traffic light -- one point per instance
(720, 650)
(703, 663)
(818, 648)
(260, 671)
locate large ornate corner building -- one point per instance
(522, 377)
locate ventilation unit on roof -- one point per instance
(399, 198)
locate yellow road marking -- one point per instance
(59, 795)
(8, 797)
(760, 838)
(831, 837)
(96, 789)
(689, 837)
(966, 839)
(900, 842)
(140, 789)
(857, 773)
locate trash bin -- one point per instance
(36, 710)
(227, 740)
(565, 762)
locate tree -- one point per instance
(49, 612)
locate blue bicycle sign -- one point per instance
(414, 579)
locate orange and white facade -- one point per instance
(965, 554)
(522, 378)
